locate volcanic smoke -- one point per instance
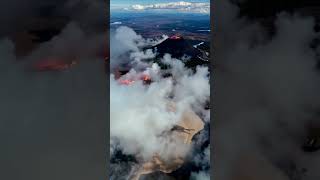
(153, 116)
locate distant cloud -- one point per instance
(195, 7)
(116, 23)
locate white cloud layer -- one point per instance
(195, 7)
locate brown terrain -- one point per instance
(189, 125)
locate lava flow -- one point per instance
(145, 78)
(126, 81)
(175, 37)
(52, 64)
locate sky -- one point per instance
(126, 3)
(121, 4)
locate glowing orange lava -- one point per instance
(126, 81)
(52, 64)
(176, 37)
(146, 77)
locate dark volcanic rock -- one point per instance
(177, 48)
(190, 51)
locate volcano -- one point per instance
(194, 52)
(177, 46)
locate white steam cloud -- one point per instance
(126, 42)
(140, 113)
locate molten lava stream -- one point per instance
(145, 78)
(126, 81)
